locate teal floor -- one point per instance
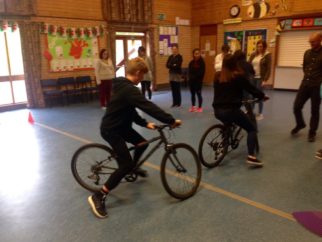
(40, 200)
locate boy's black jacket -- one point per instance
(121, 113)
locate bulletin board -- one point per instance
(68, 54)
(168, 35)
(234, 39)
(251, 38)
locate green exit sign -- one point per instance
(161, 16)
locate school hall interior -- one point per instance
(50, 106)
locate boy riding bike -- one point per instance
(116, 128)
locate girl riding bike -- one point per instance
(228, 96)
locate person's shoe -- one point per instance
(318, 154)
(297, 129)
(254, 161)
(141, 172)
(193, 109)
(259, 117)
(97, 203)
(199, 110)
(311, 137)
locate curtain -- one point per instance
(31, 53)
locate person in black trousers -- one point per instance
(310, 87)
(228, 95)
(116, 128)
(174, 65)
(196, 73)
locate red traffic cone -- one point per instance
(31, 119)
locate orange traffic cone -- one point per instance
(31, 119)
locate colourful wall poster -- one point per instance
(251, 38)
(318, 22)
(234, 39)
(68, 54)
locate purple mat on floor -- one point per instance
(311, 220)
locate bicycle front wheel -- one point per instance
(213, 146)
(92, 165)
(181, 171)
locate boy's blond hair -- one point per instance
(136, 64)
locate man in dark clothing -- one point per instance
(116, 128)
(310, 87)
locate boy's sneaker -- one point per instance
(259, 116)
(318, 154)
(193, 109)
(199, 110)
(97, 203)
(254, 161)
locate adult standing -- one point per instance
(174, 65)
(219, 58)
(261, 60)
(147, 78)
(310, 87)
(104, 72)
(196, 75)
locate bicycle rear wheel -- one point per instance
(92, 164)
(213, 146)
(181, 171)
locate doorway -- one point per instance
(126, 48)
(208, 46)
(12, 79)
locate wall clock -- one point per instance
(234, 11)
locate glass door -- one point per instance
(12, 80)
(126, 48)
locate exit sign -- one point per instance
(161, 16)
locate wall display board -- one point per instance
(251, 38)
(69, 49)
(244, 40)
(234, 39)
(168, 35)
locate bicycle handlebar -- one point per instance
(162, 126)
(255, 100)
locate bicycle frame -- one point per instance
(162, 140)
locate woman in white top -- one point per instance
(147, 78)
(104, 72)
(261, 60)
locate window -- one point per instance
(12, 83)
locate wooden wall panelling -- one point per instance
(171, 9)
(81, 9)
(127, 11)
(215, 11)
(20, 7)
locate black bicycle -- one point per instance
(215, 142)
(92, 164)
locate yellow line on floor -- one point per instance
(64, 133)
(207, 186)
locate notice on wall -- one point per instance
(167, 37)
